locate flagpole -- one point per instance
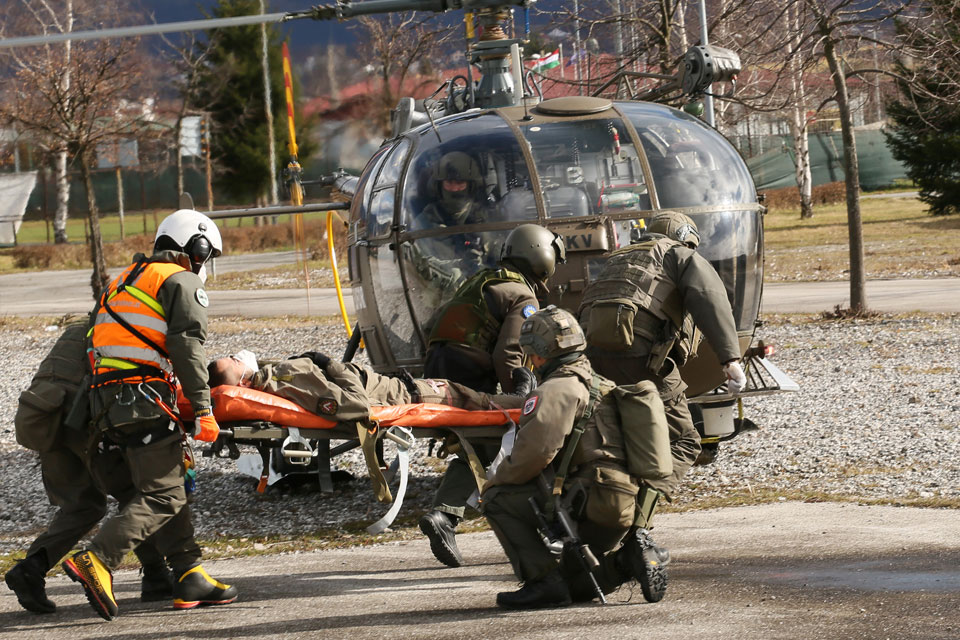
(576, 33)
(563, 75)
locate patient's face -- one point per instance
(233, 371)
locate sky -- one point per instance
(304, 34)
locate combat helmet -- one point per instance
(534, 250)
(551, 333)
(675, 226)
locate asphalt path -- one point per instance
(62, 292)
(780, 571)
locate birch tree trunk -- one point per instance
(63, 178)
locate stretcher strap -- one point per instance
(473, 461)
(368, 445)
(403, 437)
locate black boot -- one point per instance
(156, 583)
(440, 528)
(549, 591)
(641, 559)
(26, 579)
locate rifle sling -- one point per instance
(571, 446)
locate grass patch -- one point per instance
(239, 236)
(233, 325)
(899, 238)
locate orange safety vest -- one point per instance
(132, 297)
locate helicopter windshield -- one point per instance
(692, 164)
(587, 167)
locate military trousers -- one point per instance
(507, 509)
(158, 501)
(684, 437)
(80, 495)
(458, 482)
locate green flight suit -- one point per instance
(508, 304)
(149, 442)
(598, 465)
(703, 296)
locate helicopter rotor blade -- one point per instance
(146, 29)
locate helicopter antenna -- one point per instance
(433, 124)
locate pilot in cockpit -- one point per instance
(457, 189)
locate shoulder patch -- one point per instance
(202, 298)
(528, 311)
(530, 405)
(327, 407)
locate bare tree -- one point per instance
(189, 60)
(399, 42)
(41, 16)
(98, 105)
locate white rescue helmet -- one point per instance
(192, 233)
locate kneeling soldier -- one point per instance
(569, 436)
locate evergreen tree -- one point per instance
(925, 134)
(231, 91)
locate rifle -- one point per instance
(567, 538)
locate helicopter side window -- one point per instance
(692, 164)
(379, 215)
(360, 207)
(587, 167)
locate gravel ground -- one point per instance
(877, 418)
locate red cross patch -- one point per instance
(328, 407)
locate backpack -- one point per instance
(643, 425)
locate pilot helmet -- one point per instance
(458, 166)
(534, 250)
(192, 233)
(551, 333)
(675, 226)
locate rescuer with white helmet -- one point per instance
(148, 331)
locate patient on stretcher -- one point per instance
(346, 391)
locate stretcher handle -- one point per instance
(352, 344)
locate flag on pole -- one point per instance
(548, 61)
(574, 58)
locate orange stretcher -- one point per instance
(291, 439)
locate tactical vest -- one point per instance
(633, 280)
(130, 328)
(466, 319)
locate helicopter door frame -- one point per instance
(372, 335)
(641, 155)
(527, 153)
(397, 245)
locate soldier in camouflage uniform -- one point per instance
(570, 397)
(474, 342)
(78, 491)
(669, 292)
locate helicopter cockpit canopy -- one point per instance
(585, 167)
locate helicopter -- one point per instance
(587, 167)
